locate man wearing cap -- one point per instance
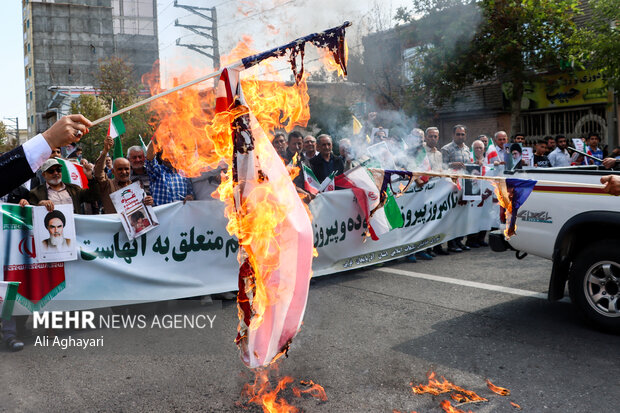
(55, 192)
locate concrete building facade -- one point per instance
(65, 41)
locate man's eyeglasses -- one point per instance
(54, 170)
(459, 134)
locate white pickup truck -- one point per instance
(578, 228)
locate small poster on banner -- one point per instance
(136, 217)
(471, 187)
(527, 156)
(381, 154)
(578, 144)
(54, 234)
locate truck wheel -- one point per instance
(594, 285)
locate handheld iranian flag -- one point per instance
(115, 130)
(311, 183)
(8, 292)
(73, 173)
(328, 183)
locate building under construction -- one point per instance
(65, 41)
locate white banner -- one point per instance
(191, 254)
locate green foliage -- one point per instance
(490, 39)
(602, 38)
(2, 130)
(92, 107)
(117, 81)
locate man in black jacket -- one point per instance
(325, 162)
(20, 164)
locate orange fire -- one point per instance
(271, 399)
(498, 390)
(328, 60)
(448, 408)
(437, 387)
(515, 405)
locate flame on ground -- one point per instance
(448, 408)
(270, 397)
(515, 405)
(498, 390)
(437, 387)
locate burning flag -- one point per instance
(512, 193)
(274, 232)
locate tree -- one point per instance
(507, 40)
(92, 107)
(602, 36)
(117, 81)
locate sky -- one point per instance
(269, 23)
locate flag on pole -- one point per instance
(275, 262)
(328, 183)
(8, 293)
(115, 129)
(73, 173)
(357, 125)
(491, 154)
(311, 183)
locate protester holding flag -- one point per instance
(326, 162)
(55, 191)
(121, 168)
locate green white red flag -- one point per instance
(73, 173)
(311, 183)
(115, 129)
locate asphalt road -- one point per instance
(367, 335)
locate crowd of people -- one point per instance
(36, 173)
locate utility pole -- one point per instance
(15, 121)
(205, 31)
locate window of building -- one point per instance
(29, 71)
(28, 47)
(28, 24)
(32, 119)
(31, 95)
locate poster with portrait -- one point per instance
(379, 134)
(54, 234)
(471, 187)
(527, 158)
(136, 217)
(381, 154)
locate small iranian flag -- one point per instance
(115, 130)
(8, 292)
(328, 183)
(73, 173)
(491, 154)
(311, 184)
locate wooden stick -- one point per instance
(503, 178)
(162, 94)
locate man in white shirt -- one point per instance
(560, 155)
